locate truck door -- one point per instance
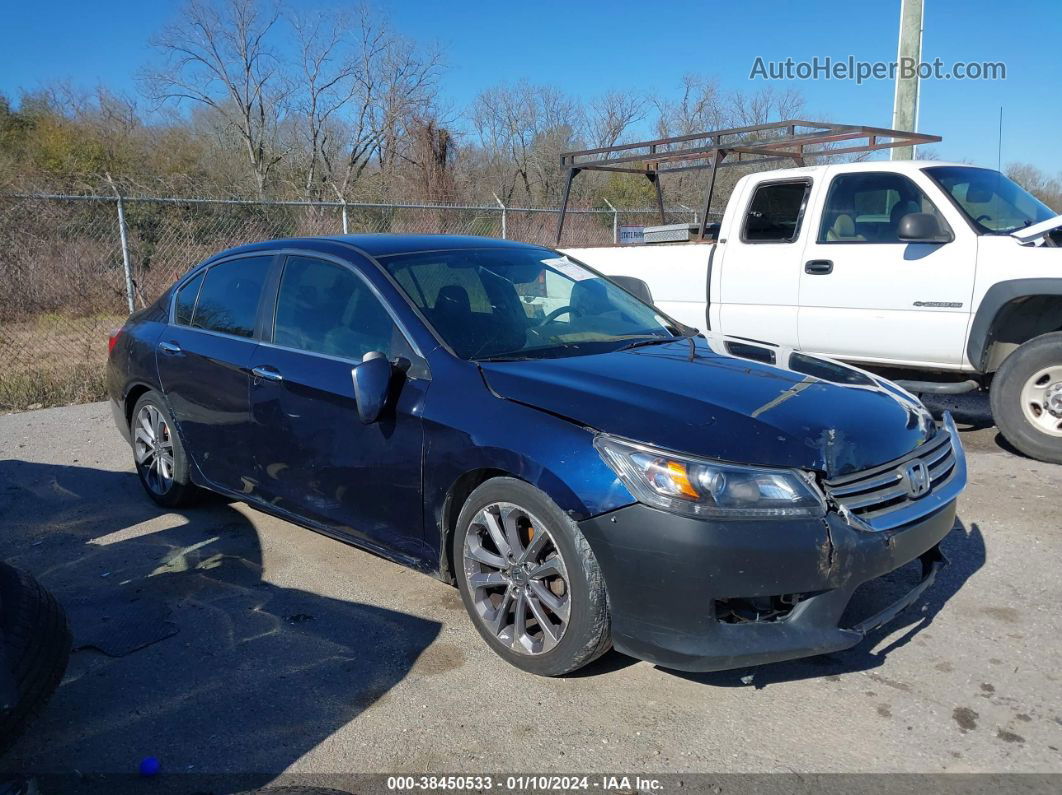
(867, 295)
(760, 262)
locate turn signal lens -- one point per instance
(113, 338)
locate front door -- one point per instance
(867, 295)
(314, 456)
(204, 358)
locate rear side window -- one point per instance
(326, 308)
(775, 212)
(228, 300)
(184, 304)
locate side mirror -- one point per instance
(921, 228)
(372, 386)
(634, 286)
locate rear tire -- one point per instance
(36, 640)
(158, 454)
(1026, 397)
(557, 581)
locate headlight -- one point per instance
(701, 487)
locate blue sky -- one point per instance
(589, 47)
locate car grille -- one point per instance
(875, 493)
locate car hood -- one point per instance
(715, 401)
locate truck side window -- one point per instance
(866, 207)
(775, 212)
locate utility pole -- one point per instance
(909, 55)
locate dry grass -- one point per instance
(53, 360)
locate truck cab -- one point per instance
(945, 276)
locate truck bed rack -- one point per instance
(793, 139)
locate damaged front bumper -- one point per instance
(699, 595)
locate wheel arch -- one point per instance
(1011, 313)
(133, 393)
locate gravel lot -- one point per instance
(288, 651)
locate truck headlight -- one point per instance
(701, 487)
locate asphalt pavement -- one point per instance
(266, 648)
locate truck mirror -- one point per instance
(635, 287)
(921, 228)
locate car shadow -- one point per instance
(219, 670)
(965, 550)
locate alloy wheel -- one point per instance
(517, 578)
(153, 449)
(1041, 400)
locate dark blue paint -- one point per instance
(298, 447)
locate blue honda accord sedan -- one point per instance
(587, 471)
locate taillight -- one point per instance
(112, 340)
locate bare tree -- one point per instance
(220, 57)
(610, 116)
(523, 128)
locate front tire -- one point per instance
(529, 580)
(1026, 398)
(159, 456)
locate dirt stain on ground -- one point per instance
(987, 688)
(1009, 737)
(944, 667)
(966, 718)
(1008, 615)
(903, 686)
(439, 659)
(884, 711)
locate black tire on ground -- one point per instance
(182, 492)
(589, 631)
(1006, 397)
(36, 640)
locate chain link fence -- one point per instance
(73, 267)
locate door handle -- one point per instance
(267, 374)
(169, 347)
(818, 267)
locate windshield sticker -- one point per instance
(564, 265)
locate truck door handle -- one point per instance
(818, 267)
(267, 374)
(169, 347)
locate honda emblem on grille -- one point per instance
(915, 477)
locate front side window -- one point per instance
(228, 299)
(775, 212)
(993, 202)
(184, 303)
(866, 207)
(521, 302)
(326, 308)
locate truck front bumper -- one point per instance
(673, 582)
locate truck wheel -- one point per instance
(529, 580)
(36, 641)
(1026, 398)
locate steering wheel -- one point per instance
(556, 313)
(982, 217)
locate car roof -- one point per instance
(379, 245)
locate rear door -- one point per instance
(867, 295)
(204, 360)
(314, 456)
(760, 262)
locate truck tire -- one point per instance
(36, 640)
(1026, 398)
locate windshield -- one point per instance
(996, 204)
(522, 302)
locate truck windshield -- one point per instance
(521, 303)
(993, 202)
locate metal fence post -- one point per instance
(346, 221)
(504, 225)
(125, 254)
(615, 221)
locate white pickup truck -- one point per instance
(945, 277)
